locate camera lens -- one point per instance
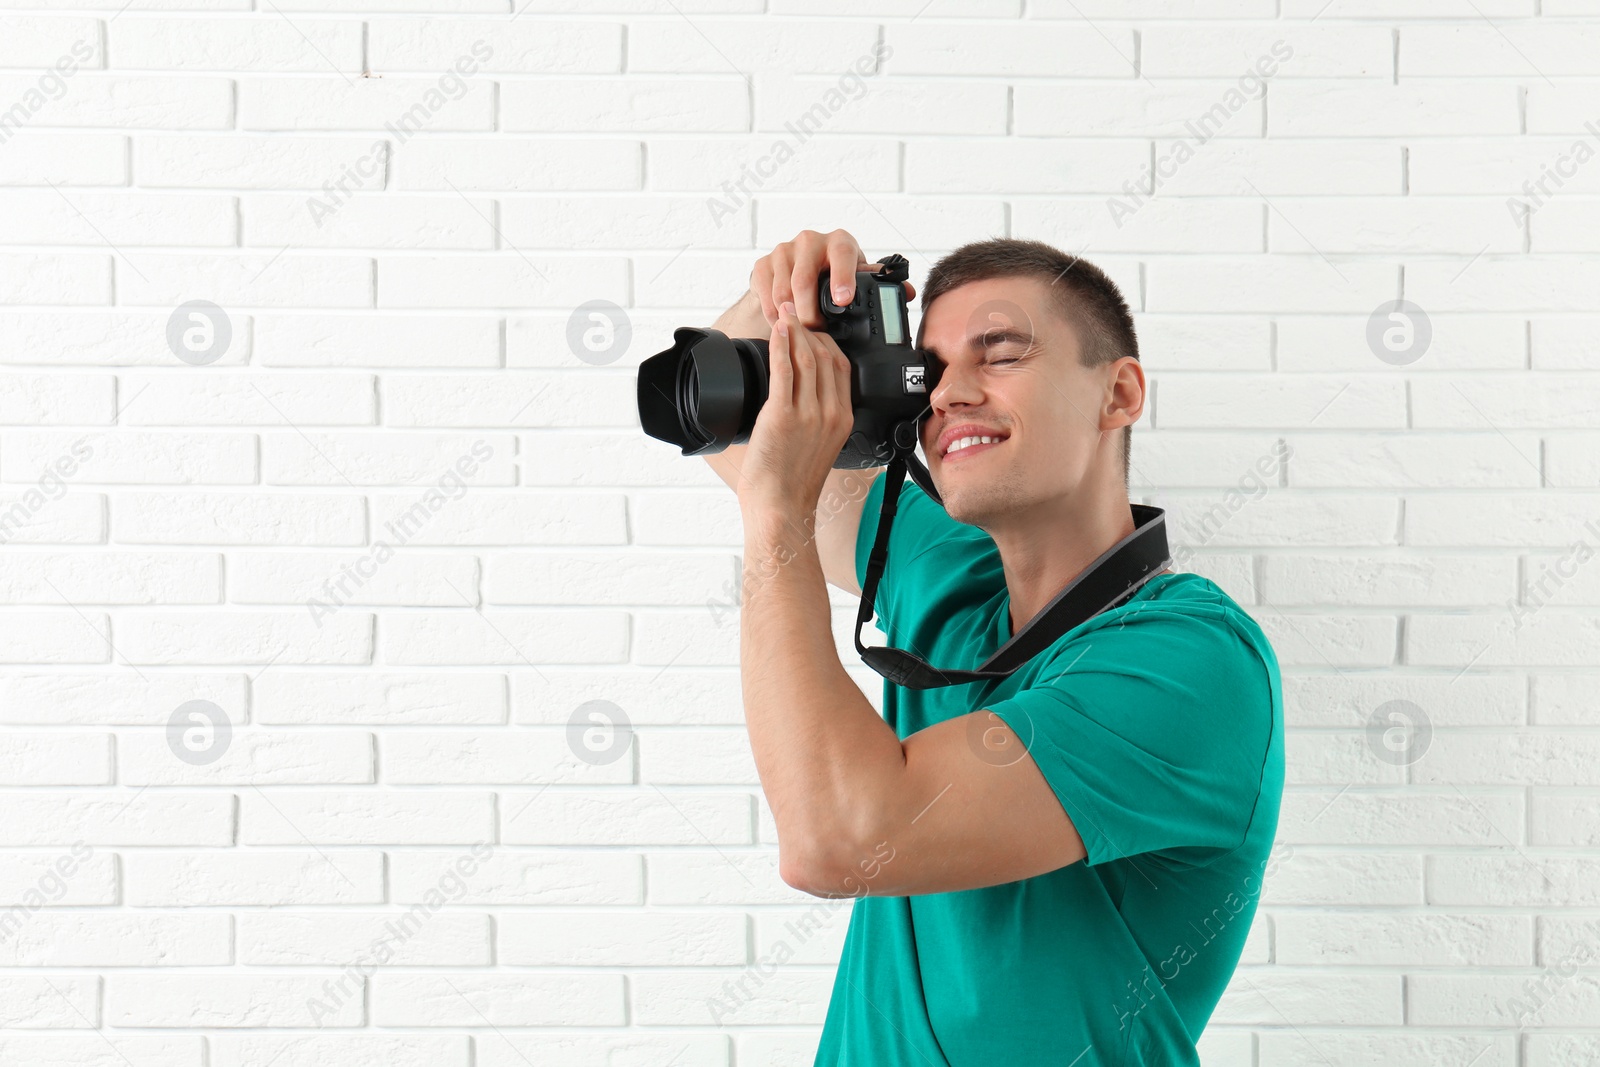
(704, 393)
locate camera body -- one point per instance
(704, 393)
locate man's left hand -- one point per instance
(803, 425)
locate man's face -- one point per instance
(1012, 368)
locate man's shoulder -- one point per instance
(1178, 622)
(1186, 600)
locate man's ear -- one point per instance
(1125, 391)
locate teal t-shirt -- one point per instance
(1159, 726)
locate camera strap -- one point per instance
(1115, 576)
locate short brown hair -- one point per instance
(1084, 297)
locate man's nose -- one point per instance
(955, 385)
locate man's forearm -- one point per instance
(825, 757)
(744, 318)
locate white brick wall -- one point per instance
(397, 849)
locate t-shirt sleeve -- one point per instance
(919, 524)
(1153, 731)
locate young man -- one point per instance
(1055, 867)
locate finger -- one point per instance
(803, 284)
(845, 381)
(844, 256)
(761, 285)
(911, 292)
(780, 373)
(805, 364)
(782, 267)
(827, 376)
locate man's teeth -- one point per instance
(965, 441)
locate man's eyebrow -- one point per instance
(994, 335)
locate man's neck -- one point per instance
(1044, 549)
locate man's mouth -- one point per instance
(968, 446)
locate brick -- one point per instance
(254, 877)
(401, 106)
(116, 817)
(679, 697)
(520, 518)
(222, 399)
(1332, 108)
(104, 339)
(613, 938)
(797, 108)
(595, 398)
(74, 876)
(450, 464)
(523, 164)
(270, 279)
(1195, 112)
(464, 637)
(350, 1050)
(129, 101)
(41, 40)
(111, 698)
(259, 161)
(109, 939)
(531, 47)
(1324, 343)
(264, 44)
(128, 457)
(496, 1000)
(372, 340)
(226, 1000)
(996, 48)
(626, 104)
(519, 876)
(683, 47)
(1256, 997)
(697, 757)
(1125, 224)
(714, 998)
(1282, 51)
(1379, 581)
(100, 1050)
(88, 158)
(357, 220)
(50, 1002)
(55, 759)
(252, 757)
(323, 582)
(1400, 939)
(51, 278)
(1473, 460)
(237, 518)
(365, 699)
(508, 280)
(632, 817)
(412, 938)
(54, 637)
(1185, 401)
(365, 818)
(1268, 283)
(523, 757)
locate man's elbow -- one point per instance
(806, 861)
(798, 872)
(833, 864)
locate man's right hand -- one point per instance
(791, 270)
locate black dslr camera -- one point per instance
(704, 393)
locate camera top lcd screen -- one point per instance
(893, 329)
